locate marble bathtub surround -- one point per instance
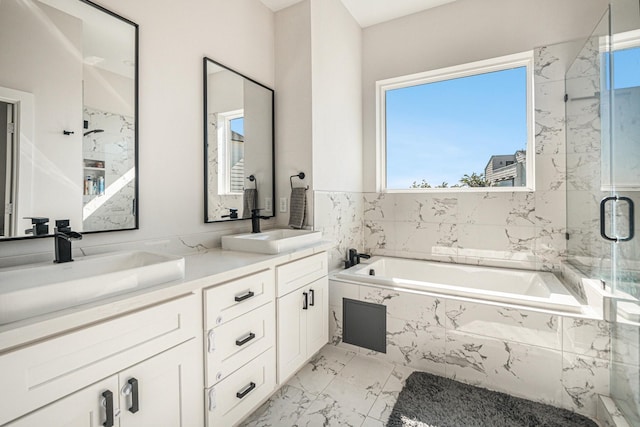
(535, 354)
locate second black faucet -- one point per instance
(354, 258)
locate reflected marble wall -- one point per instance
(116, 148)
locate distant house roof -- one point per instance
(235, 136)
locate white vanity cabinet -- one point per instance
(239, 346)
(303, 312)
(61, 380)
(156, 392)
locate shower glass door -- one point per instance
(603, 184)
(621, 167)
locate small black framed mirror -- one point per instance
(239, 173)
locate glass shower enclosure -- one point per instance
(603, 184)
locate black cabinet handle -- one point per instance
(313, 297)
(305, 301)
(242, 341)
(135, 403)
(603, 233)
(247, 390)
(244, 297)
(108, 404)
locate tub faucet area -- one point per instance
(354, 258)
(63, 235)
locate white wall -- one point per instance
(318, 99)
(50, 163)
(336, 50)
(107, 91)
(293, 99)
(461, 32)
(174, 37)
(258, 143)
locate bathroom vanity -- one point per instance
(204, 350)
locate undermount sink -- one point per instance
(271, 242)
(35, 289)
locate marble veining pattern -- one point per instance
(351, 390)
(560, 360)
(115, 147)
(339, 216)
(519, 229)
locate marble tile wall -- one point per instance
(116, 148)
(560, 360)
(339, 216)
(625, 369)
(585, 128)
(519, 229)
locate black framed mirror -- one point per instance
(69, 107)
(239, 168)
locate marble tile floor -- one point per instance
(337, 387)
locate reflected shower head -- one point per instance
(93, 131)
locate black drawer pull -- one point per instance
(242, 341)
(247, 390)
(313, 297)
(244, 297)
(135, 402)
(305, 301)
(108, 404)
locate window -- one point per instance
(231, 152)
(460, 127)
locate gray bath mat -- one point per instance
(431, 401)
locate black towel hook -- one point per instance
(253, 179)
(300, 175)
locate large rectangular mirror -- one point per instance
(68, 118)
(238, 145)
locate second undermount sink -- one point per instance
(272, 241)
(31, 290)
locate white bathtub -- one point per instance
(521, 287)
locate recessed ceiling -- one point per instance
(370, 12)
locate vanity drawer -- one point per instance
(238, 341)
(236, 396)
(36, 375)
(237, 297)
(299, 273)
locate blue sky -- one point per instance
(441, 131)
(237, 125)
(626, 64)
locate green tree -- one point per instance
(474, 180)
(425, 184)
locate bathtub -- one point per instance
(521, 287)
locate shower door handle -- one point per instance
(603, 205)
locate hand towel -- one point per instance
(298, 207)
(249, 201)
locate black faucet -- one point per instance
(39, 226)
(354, 258)
(255, 220)
(233, 214)
(62, 236)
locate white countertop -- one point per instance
(202, 270)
